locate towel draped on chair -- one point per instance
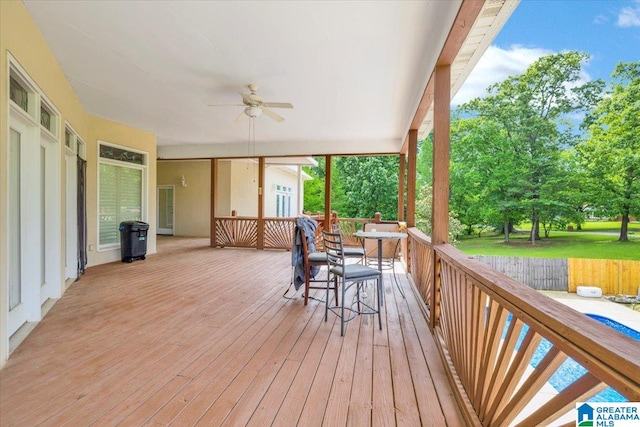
(309, 226)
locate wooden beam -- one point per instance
(411, 178)
(467, 15)
(401, 174)
(441, 119)
(327, 193)
(260, 242)
(405, 145)
(214, 195)
(423, 107)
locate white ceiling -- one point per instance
(354, 70)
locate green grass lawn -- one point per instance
(560, 244)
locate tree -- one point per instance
(424, 162)
(423, 214)
(611, 154)
(486, 175)
(369, 184)
(531, 112)
(314, 188)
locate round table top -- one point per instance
(381, 235)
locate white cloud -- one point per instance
(496, 65)
(629, 16)
(600, 19)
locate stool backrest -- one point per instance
(334, 248)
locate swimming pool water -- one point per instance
(571, 370)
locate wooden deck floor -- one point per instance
(202, 336)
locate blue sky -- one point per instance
(608, 30)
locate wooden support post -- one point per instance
(441, 118)
(214, 193)
(260, 241)
(441, 155)
(327, 193)
(401, 171)
(411, 178)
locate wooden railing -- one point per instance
(237, 231)
(242, 232)
(278, 233)
(488, 329)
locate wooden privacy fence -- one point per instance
(542, 274)
(614, 277)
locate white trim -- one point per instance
(41, 208)
(144, 191)
(55, 117)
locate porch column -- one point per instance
(401, 174)
(260, 241)
(441, 118)
(411, 178)
(300, 207)
(212, 213)
(440, 205)
(327, 193)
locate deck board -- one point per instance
(201, 336)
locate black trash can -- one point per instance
(133, 240)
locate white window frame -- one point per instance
(144, 197)
(284, 196)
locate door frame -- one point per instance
(160, 230)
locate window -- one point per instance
(121, 187)
(283, 200)
(18, 94)
(45, 118)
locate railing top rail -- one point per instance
(366, 220)
(608, 354)
(419, 235)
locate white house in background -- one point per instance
(284, 190)
(237, 186)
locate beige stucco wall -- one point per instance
(223, 188)
(244, 188)
(20, 36)
(192, 203)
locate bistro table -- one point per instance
(380, 236)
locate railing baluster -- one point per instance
(585, 387)
(534, 383)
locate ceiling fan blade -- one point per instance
(277, 105)
(225, 105)
(240, 117)
(273, 115)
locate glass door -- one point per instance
(17, 307)
(165, 209)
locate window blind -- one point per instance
(120, 200)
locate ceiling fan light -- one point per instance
(253, 111)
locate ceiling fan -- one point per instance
(255, 106)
